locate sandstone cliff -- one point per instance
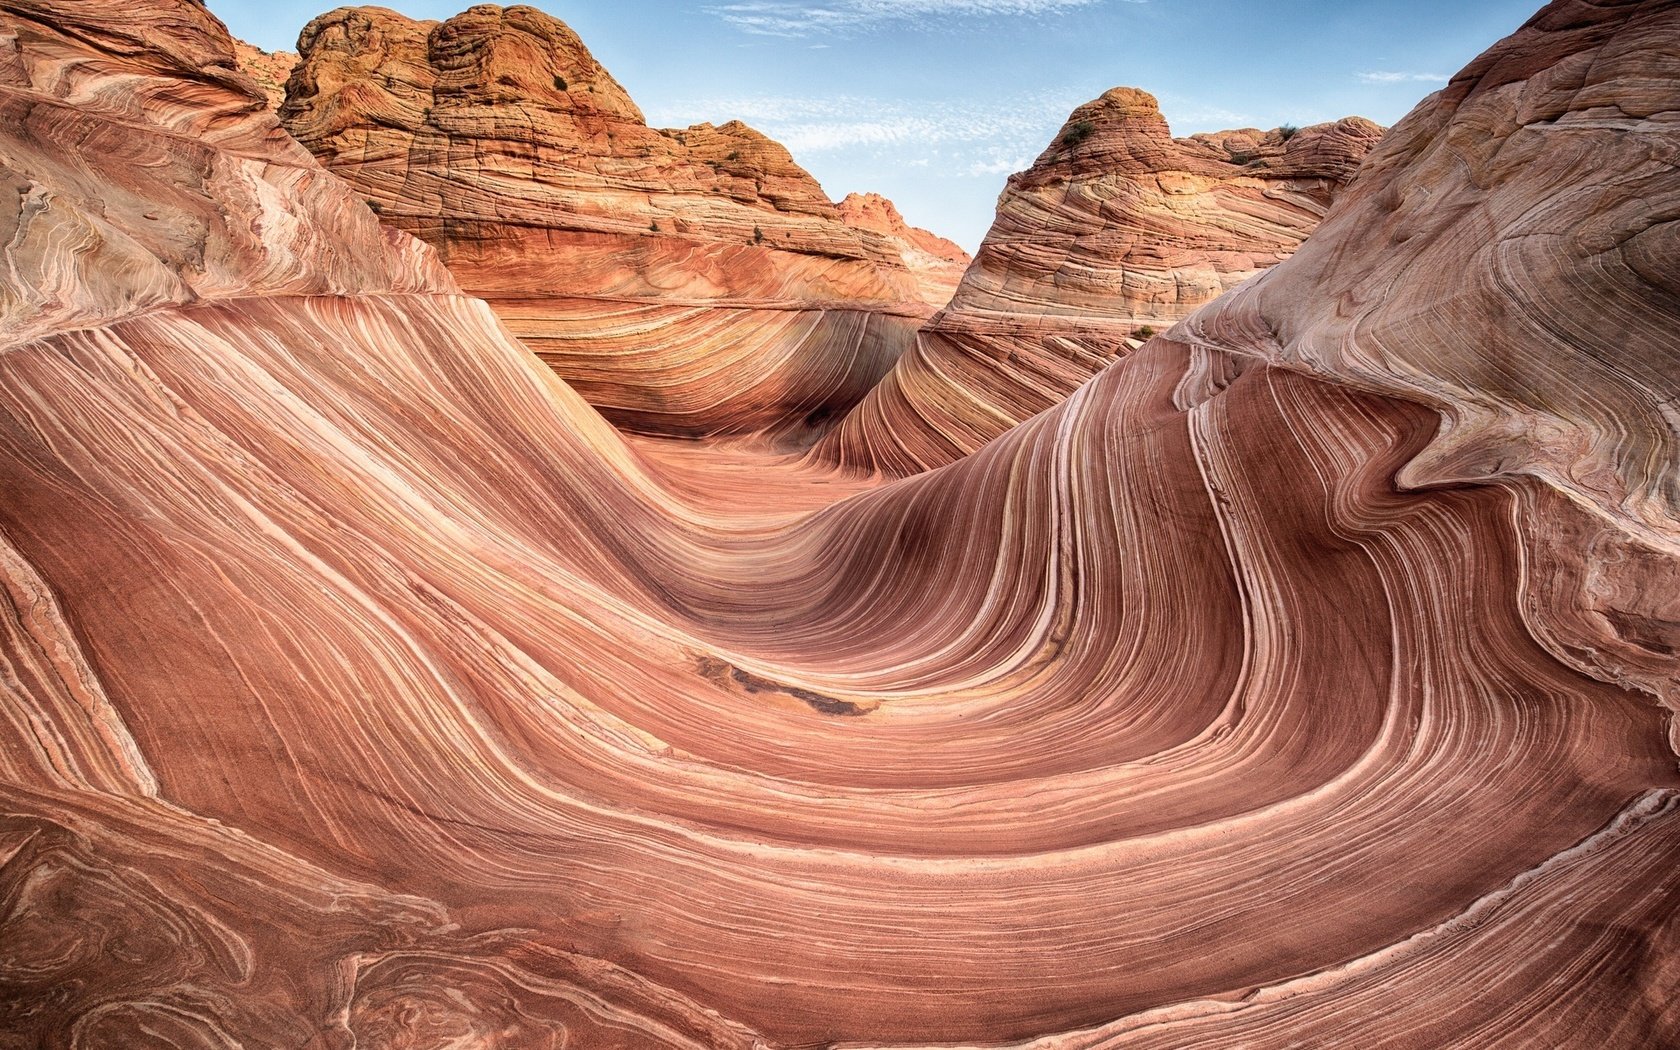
(270, 69)
(693, 281)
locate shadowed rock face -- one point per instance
(1116, 231)
(496, 137)
(360, 685)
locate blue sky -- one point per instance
(935, 102)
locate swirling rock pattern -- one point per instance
(363, 687)
(1529, 207)
(499, 139)
(212, 201)
(1116, 230)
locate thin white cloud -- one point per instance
(955, 137)
(1387, 76)
(982, 168)
(796, 18)
(1017, 125)
(1186, 115)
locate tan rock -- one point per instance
(1526, 212)
(270, 69)
(198, 195)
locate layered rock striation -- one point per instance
(690, 282)
(1118, 230)
(360, 685)
(937, 263)
(270, 69)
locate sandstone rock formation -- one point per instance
(689, 282)
(936, 263)
(1528, 209)
(270, 69)
(360, 686)
(1117, 230)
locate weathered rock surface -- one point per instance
(936, 263)
(1528, 212)
(1116, 231)
(209, 201)
(499, 139)
(270, 69)
(359, 685)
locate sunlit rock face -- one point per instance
(691, 282)
(360, 685)
(270, 69)
(208, 199)
(1118, 230)
(936, 263)
(1526, 215)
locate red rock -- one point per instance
(1116, 231)
(937, 263)
(359, 685)
(270, 69)
(498, 138)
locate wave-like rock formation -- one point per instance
(936, 263)
(1117, 230)
(361, 686)
(692, 282)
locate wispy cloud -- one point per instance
(1187, 115)
(1388, 76)
(960, 139)
(970, 137)
(796, 18)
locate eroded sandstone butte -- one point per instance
(1117, 230)
(270, 69)
(692, 282)
(936, 263)
(361, 686)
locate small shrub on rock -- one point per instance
(1078, 132)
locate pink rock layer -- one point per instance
(499, 139)
(1116, 231)
(270, 69)
(936, 263)
(362, 686)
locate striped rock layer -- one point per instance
(270, 69)
(360, 685)
(936, 263)
(690, 282)
(1116, 231)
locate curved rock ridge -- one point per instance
(1531, 209)
(498, 138)
(937, 263)
(361, 686)
(1116, 231)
